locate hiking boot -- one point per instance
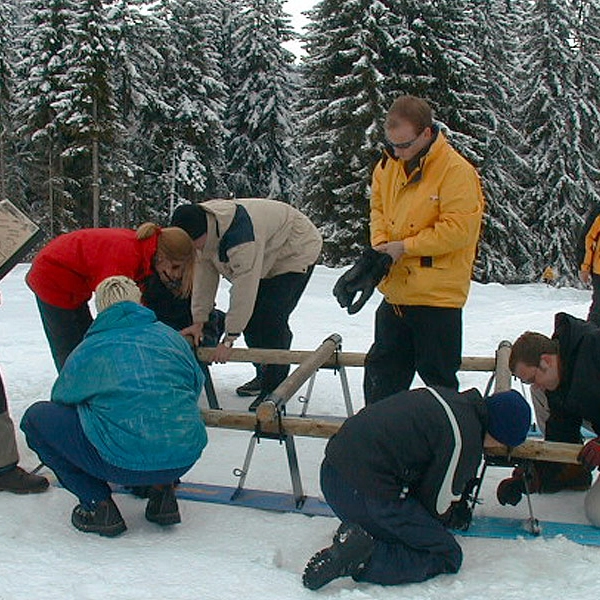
(347, 556)
(162, 506)
(250, 388)
(104, 519)
(19, 481)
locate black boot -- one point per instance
(250, 388)
(351, 549)
(19, 481)
(104, 519)
(162, 505)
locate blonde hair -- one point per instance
(176, 245)
(116, 289)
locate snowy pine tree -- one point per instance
(46, 47)
(505, 249)
(262, 133)
(182, 121)
(345, 94)
(553, 111)
(6, 82)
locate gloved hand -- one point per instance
(363, 277)
(590, 454)
(458, 516)
(511, 490)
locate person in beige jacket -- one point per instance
(267, 250)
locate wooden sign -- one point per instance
(18, 234)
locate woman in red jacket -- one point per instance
(66, 272)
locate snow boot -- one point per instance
(18, 481)
(104, 519)
(351, 549)
(162, 507)
(250, 388)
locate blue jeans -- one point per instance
(410, 544)
(54, 432)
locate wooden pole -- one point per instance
(503, 374)
(345, 359)
(269, 410)
(539, 450)
(325, 427)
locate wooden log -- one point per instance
(540, 450)
(503, 375)
(268, 410)
(346, 359)
(325, 427)
(322, 427)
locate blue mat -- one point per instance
(483, 527)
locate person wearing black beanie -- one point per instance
(267, 250)
(399, 474)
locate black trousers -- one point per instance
(594, 314)
(410, 544)
(64, 328)
(412, 339)
(268, 327)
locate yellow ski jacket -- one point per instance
(591, 260)
(436, 212)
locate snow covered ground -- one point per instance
(222, 552)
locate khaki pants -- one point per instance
(8, 443)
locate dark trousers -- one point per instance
(64, 328)
(53, 431)
(412, 339)
(410, 544)
(594, 314)
(268, 327)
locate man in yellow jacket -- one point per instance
(426, 210)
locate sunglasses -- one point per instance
(403, 145)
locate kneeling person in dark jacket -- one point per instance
(399, 472)
(124, 409)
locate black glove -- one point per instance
(363, 277)
(458, 516)
(460, 513)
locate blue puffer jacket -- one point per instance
(136, 384)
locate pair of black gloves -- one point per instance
(363, 277)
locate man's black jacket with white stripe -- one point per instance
(429, 439)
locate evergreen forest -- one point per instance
(114, 112)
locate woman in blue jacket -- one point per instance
(124, 409)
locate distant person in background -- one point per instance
(589, 258)
(124, 410)
(426, 210)
(66, 271)
(267, 250)
(564, 374)
(549, 276)
(399, 474)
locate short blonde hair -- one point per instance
(116, 289)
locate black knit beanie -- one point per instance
(191, 218)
